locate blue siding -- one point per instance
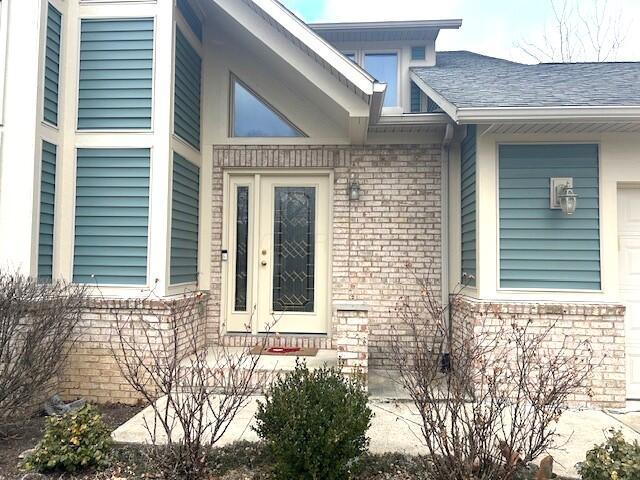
(468, 206)
(47, 211)
(112, 216)
(540, 247)
(418, 53)
(191, 17)
(52, 65)
(116, 74)
(187, 92)
(416, 98)
(184, 221)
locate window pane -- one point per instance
(384, 67)
(253, 118)
(293, 252)
(242, 242)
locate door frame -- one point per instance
(226, 282)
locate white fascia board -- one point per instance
(352, 72)
(449, 108)
(455, 23)
(414, 119)
(567, 114)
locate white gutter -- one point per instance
(414, 119)
(565, 114)
(454, 23)
(445, 153)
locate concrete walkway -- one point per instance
(395, 428)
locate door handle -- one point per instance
(263, 263)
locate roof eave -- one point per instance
(560, 113)
(427, 24)
(300, 30)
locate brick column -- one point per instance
(352, 338)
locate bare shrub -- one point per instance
(194, 393)
(495, 409)
(37, 328)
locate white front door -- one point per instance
(277, 267)
(629, 259)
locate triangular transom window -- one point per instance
(252, 116)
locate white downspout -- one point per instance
(444, 233)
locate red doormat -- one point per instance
(284, 351)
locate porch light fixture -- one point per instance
(354, 191)
(562, 195)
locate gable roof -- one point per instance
(465, 80)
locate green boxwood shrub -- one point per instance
(615, 459)
(71, 442)
(314, 423)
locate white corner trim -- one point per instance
(352, 72)
(447, 106)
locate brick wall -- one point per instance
(602, 325)
(396, 222)
(92, 372)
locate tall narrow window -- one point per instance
(242, 251)
(52, 65)
(384, 67)
(254, 117)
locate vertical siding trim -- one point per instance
(116, 74)
(51, 86)
(47, 211)
(187, 92)
(185, 211)
(468, 208)
(541, 248)
(112, 216)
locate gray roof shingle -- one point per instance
(471, 80)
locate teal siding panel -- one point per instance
(112, 216)
(416, 98)
(47, 211)
(116, 74)
(52, 65)
(191, 17)
(540, 247)
(468, 206)
(188, 79)
(184, 221)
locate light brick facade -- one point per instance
(600, 324)
(394, 227)
(92, 371)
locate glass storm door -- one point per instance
(278, 234)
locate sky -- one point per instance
(491, 27)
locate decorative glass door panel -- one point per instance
(277, 275)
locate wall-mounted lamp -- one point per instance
(562, 195)
(354, 190)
